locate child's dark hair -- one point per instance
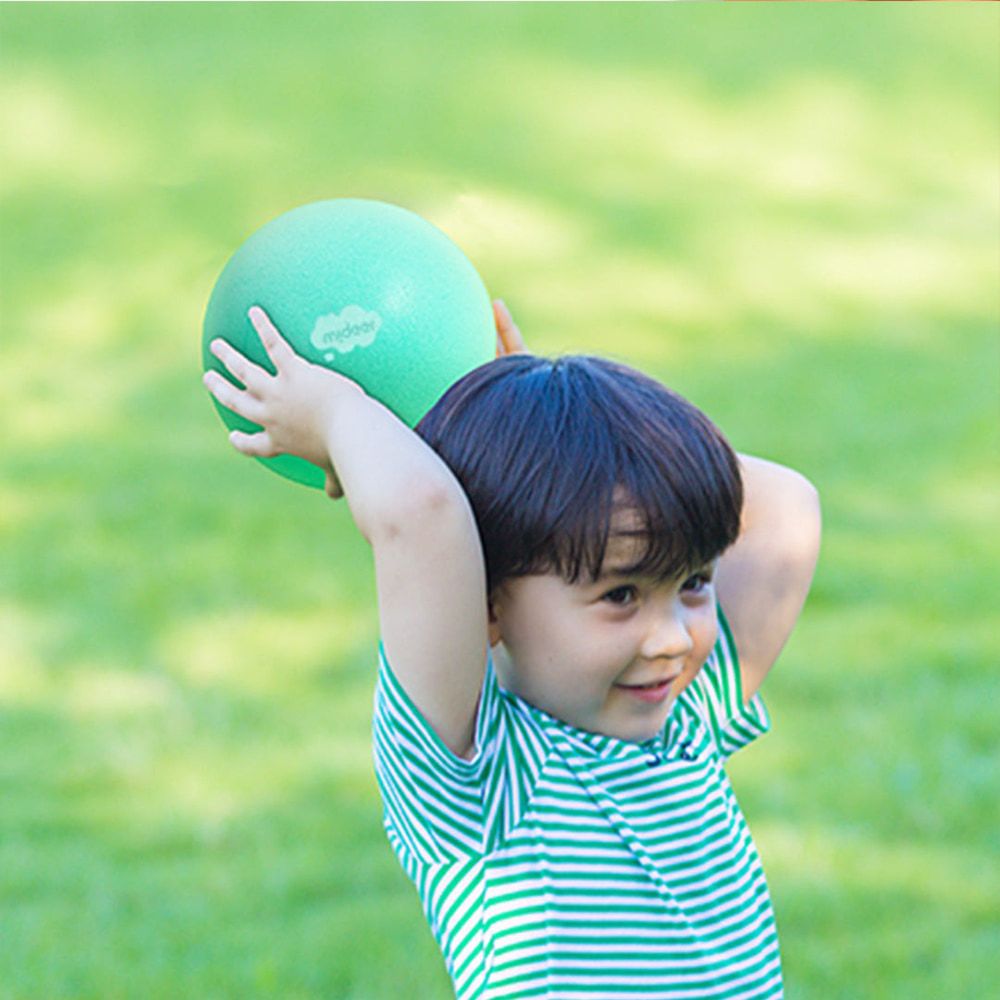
(548, 450)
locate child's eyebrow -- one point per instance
(609, 571)
(626, 570)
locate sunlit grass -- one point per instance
(790, 214)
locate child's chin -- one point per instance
(647, 730)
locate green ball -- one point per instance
(368, 289)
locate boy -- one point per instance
(558, 689)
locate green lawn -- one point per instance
(789, 213)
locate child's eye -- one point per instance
(621, 596)
(697, 583)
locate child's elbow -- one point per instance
(790, 515)
(429, 506)
(806, 517)
(807, 493)
(811, 502)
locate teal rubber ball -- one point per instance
(368, 289)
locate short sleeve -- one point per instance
(718, 693)
(433, 800)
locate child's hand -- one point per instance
(295, 406)
(509, 339)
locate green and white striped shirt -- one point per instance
(563, 863)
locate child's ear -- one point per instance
(493, 627)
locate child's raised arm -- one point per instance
(429, 569)
(763, 580)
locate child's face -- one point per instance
(608, 657)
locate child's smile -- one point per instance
(654, 693)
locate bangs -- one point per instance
(639, 517)
(644, 546)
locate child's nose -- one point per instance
(668, 636)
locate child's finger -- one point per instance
(257, 445)
(239, 365)
(508, 335)
(240, 402)
(278, 349)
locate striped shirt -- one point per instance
(563, 863)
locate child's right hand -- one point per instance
(295, 407)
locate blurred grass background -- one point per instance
(789, 213)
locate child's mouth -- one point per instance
(653, 692)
